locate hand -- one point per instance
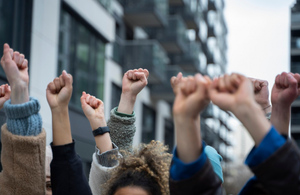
(59, 91)
(285, 90)
(15, 67)
(93, 109)
(191, 96)
(175, 82)
(231, 92)
(133, 82)
(235, 93)
(4, 94)
(261, 92)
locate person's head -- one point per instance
(144, 171)
(47, 166)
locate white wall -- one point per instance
(44, 44)
(43, 55)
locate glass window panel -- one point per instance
(81, 53)
(148, 129)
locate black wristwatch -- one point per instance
(101, 131)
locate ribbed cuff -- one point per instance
(123, 114)
(108, 158)
(24, 119)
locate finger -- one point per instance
(141, 76)
(2, 91)
(277, 80)
(7, 53)
(229, 86)
(7, 91)
(257, 86)
(91, 99)
(235, 80)
(134, 75)
(222, 86)
(21, 59)
(68, 79)
(191, 85)
(146, 72)
(24, 64)
(61, 81)
(87, 98)
(283, 80)
(82, 99)
(129, 75)
(16, 57)
(51, 87)
(57, 84)
(291, 81)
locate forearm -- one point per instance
(19, 94)
(126, 103)
(280, 118)
(188, 136)
(103, 142)
(61, 127)
(254, 120)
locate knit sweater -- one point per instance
(23, 150)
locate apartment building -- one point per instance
(97, 41)
(295, 67)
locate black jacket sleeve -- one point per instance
(67, 175)
(204, 182)
(280, 173)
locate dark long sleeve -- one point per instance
(67, 175)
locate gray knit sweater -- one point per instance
(122, 129)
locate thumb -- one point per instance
(7, 52)
(67, 78)
(82, 99)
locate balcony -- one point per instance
(165, 91)
(146, 54)
(173, 37)
(295, 21)
(118, 50)
(295, 67)
(191, 18)
(190, 60)
(212, 5)
(145, 13)
(177, 2)
(295, 46)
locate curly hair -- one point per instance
(147, 166)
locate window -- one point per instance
(15, 26)
(81, 53)
(148, 129)
(115, 95)
(169, 134)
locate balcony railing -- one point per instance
(118, 50)
(146, 13)
(165, 91)
(212, 5)
(173, 38)
(190, 60)
(146, 54)
(191, 18)
(295, 68)
(295, 119)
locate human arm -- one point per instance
(122, 118)
(285, 90)
(67, 175)
(190, 167)
(261, 94)
(23, 140)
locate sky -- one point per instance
(258, 37)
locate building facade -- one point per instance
(97, 41)
(295, 68)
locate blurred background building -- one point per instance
(295, 67)
(97, 41)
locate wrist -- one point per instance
(126, 104)
(19, 94)
(97, 122)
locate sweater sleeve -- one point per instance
(99, 175)
(67, 176)
(24, 119)
(122, 129)
(23, 163)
